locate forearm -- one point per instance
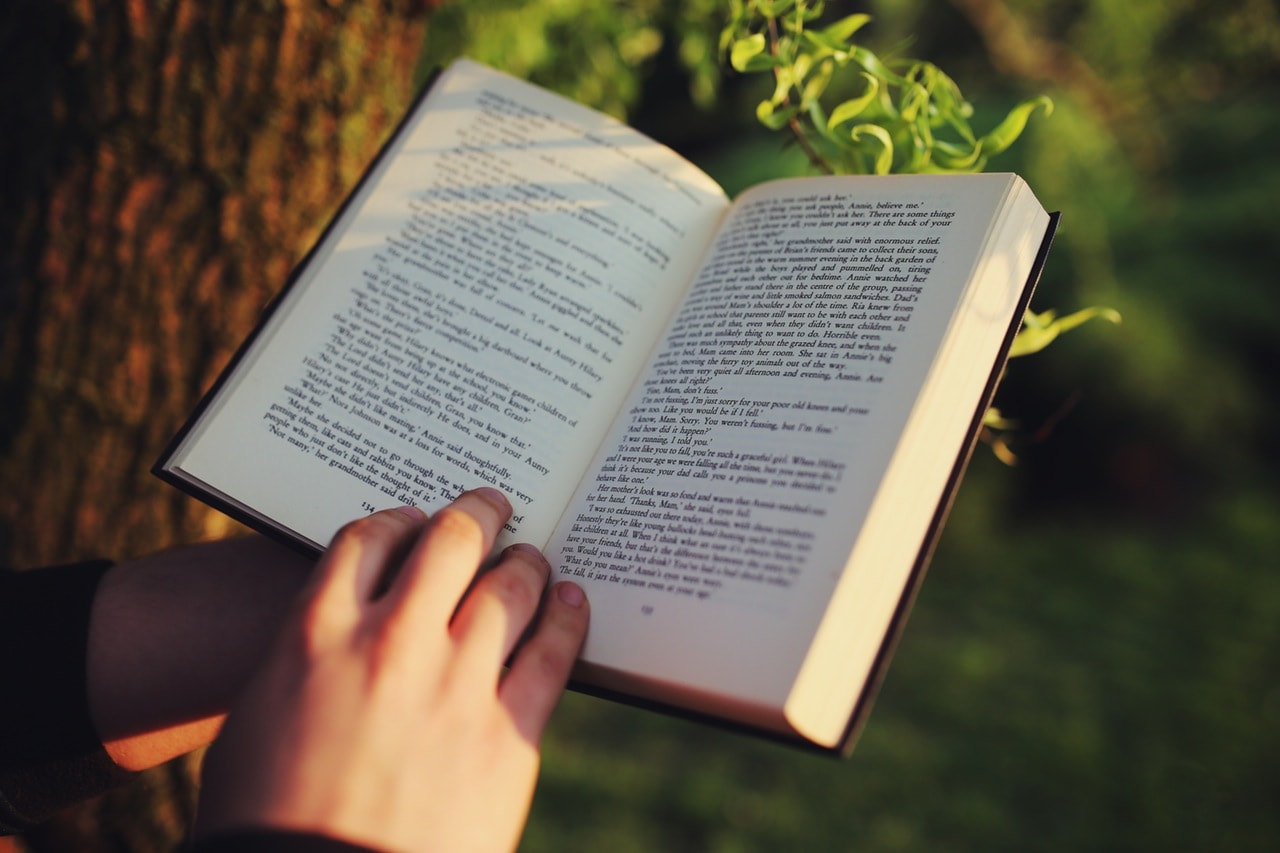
(174, 636)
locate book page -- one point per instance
(710, 533)
(475, 316)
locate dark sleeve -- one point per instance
(50, 755)
(267, 841)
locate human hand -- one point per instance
(383, 717)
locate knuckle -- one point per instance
(386, 644)
(548, 661)
(513, 588)
(569, 627)
(316, 626)
(452, 522)
(362, 531)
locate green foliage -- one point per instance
(1037, 332)
(596, 53)
(912, 119)
(1040, 330)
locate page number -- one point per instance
(646, 609)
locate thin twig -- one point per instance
(794, 123)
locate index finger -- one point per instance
(444, 560)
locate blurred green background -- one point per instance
(1094, 659)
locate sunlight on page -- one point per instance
(476, 315)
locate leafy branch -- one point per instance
(913, 119)
(906, 116)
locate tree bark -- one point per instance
(163, 167)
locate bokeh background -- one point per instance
(1094, 660)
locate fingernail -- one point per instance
(571, 594)
(529, 551)
(412, 512)
(494, 497)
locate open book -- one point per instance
(737, 425)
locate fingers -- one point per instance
(444, 560)
(541, 668)
(499, 607)
(428, 567)
(496, 611)
(358, 560)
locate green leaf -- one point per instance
(872, 63)
(826, 43)
(772, 118)
(1040, 330)
(956, 119)
(842, 30)
(800, 68)
(776, 9)
(821, 48)
(992, 418)
(781, 85)
(947, 97)
(956, 158)
(850, 109)
(921, 156)
(914, 99)
(818, 120)
(1008, 131)
(884, 160)
(747, 52)
(817, 83)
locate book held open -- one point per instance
(737, 425)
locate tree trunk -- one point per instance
(163, 166)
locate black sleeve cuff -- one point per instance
(50, 755)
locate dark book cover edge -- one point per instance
(862, 708)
